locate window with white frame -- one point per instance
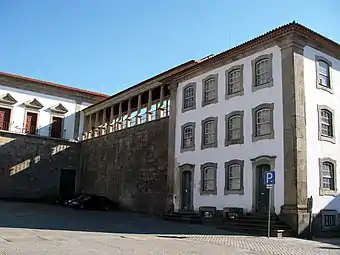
(324, 77)
(326, 123)
(235, 128)
(234, 81)
(210, 90)
(263, 122)
(208, 178)
(209, 132)
(327, 173)
(234, 177)
(188, 137)
(262, 72)
(329, 220)
(189, 97)
(328, 176)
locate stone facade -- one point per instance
(30, 166)
(129, 166)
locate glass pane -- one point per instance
(234, 184)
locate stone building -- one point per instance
(40, 124)
(203, 133)
(30, 106)
(267, 104)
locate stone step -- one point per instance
(179, 217)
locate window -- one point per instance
(327, 172)
(328, 176)
(209, 133)
(5, 116)
(188, 137)
(189, 97)
(210, 90)
(234, 177)
(57, 127)
(329, 220)
(234, 81)
(208, 179)
(31, 123)
(234, 128)
(262, 72)
(326, 124)
(263, 126)
(323, 74)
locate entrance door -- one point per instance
(31, 123)
(67, 183)
(262, 195)
(4, 118)
(186, 193)
(56, 127)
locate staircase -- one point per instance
(188, 217)
(257, 224)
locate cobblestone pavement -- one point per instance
(38, 229)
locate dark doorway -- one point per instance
(67, 183)
(31, 123)
(57, 124)
(262, 194)
(5, 115)
(186, 192)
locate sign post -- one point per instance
(269, 181)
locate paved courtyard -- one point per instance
(40, 229)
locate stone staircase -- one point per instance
(189, 217)
(257, 224)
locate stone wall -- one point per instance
(30, 165)
(129, 166)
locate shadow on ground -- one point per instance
(39, 216)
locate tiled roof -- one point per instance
(51, 84)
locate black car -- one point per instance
(93, 202)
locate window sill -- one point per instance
(235, 94)
(207, 146)
(262, 86)
(256, 138)
(327, 89)
(187, 149)
(213, 101)
(234, 192)
(327, 192)
(233, 142)
(329, 139)
(208, 193)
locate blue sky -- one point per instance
(109, 45)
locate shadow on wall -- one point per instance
(30, 165)
(129, 166)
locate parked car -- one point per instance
(93, 202)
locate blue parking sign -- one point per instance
(269, 177)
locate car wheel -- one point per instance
(81, 206)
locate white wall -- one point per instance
(244, 152)
(44, 117)
(318, 149)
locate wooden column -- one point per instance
(111, 120)
(120, 117)
(104, 122)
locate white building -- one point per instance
(30, 106)
(268, 104)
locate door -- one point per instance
(31, 123)
(67, 183)
(56, 127)
(4, 118)
(186, 191)
(262, 191)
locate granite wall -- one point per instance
(129, 166)
(30, 166)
